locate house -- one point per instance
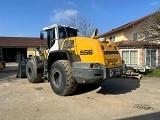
(139, 52)
(134, 51)
(10, 47)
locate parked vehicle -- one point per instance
(71, 60)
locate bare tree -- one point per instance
(85, 27)
(149, 29)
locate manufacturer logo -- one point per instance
(110, 52)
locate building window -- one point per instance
(130, 57)
(112, 38)
(134, 36)
(151, 57)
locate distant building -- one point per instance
(10, 47)
(133, 51)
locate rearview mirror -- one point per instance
(41, 35)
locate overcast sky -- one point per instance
(27, 17)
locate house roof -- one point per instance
(21, 42)
(123, 27)
(136, 44)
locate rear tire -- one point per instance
(20, 74)
(61, 78)
(31, 72)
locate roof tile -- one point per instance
(21, 42)
(126, 26)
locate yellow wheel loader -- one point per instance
(2, 64)
(71, 60)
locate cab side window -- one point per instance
(62, 33)
(51, 36)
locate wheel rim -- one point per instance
(57, 78)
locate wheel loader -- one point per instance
(70, 60)
(2, 64)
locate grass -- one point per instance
(153, 73)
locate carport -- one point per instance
(10, 54)
(10, 47)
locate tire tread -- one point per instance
(71, 84)
(36, 77)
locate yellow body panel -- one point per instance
(93, 50)
(113, 59)
(83, 43)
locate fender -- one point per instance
(59, 55)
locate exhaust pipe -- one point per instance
(95, 33)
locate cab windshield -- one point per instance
(65, 32)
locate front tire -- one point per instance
(61, 78)
(31, 72)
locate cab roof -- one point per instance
(56, 25)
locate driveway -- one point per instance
(118, 98)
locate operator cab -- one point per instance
(56, 34)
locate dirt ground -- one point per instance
(118, 98)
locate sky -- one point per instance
(26, 18)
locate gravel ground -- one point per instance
(120, 98)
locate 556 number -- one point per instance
(86, 52)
